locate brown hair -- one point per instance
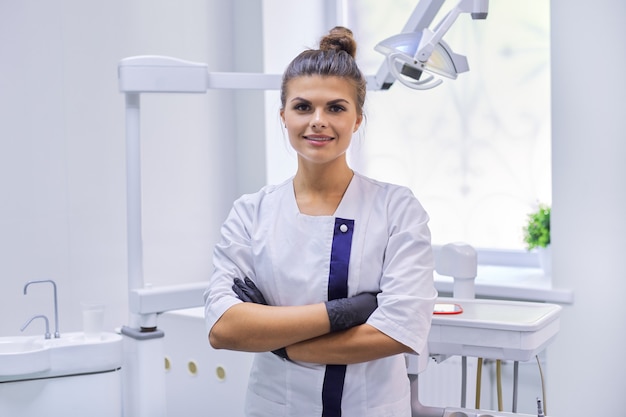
(334, 58)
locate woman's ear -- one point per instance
(282, 117)
(359, 119)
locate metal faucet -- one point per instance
(56, 306)
(40, 316)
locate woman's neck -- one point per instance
(319, 191)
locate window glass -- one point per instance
(476, 150)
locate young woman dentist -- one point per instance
(329, 275)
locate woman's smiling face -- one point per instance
(320, 115)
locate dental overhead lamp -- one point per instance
(419, 49)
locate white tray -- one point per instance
(495, 329)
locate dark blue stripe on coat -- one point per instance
(335, 375)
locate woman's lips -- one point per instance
(318, 138)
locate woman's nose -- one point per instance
(317, 120)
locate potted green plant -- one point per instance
(537, 230)
(537, 236)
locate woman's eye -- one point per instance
(336, 108)
(301, 107)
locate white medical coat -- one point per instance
(286, 254)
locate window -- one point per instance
(475, 151)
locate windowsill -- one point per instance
(513, 283)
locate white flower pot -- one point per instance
(545, 260)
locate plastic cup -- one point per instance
(93, 321)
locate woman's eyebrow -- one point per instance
(337, 101)
(331, 102)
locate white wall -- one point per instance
(586, 363)
(62, 155)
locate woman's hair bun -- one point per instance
(339, 39)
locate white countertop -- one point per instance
(513, 283)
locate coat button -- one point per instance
(343, 228)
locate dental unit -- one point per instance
(39, 374)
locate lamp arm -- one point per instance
(478, 10)
(423, 15)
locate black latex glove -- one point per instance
(248, 292)
(345, 313)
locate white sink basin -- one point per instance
(23, 356)
(33, 357)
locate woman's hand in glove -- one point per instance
(248, 292)
(345, 313)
